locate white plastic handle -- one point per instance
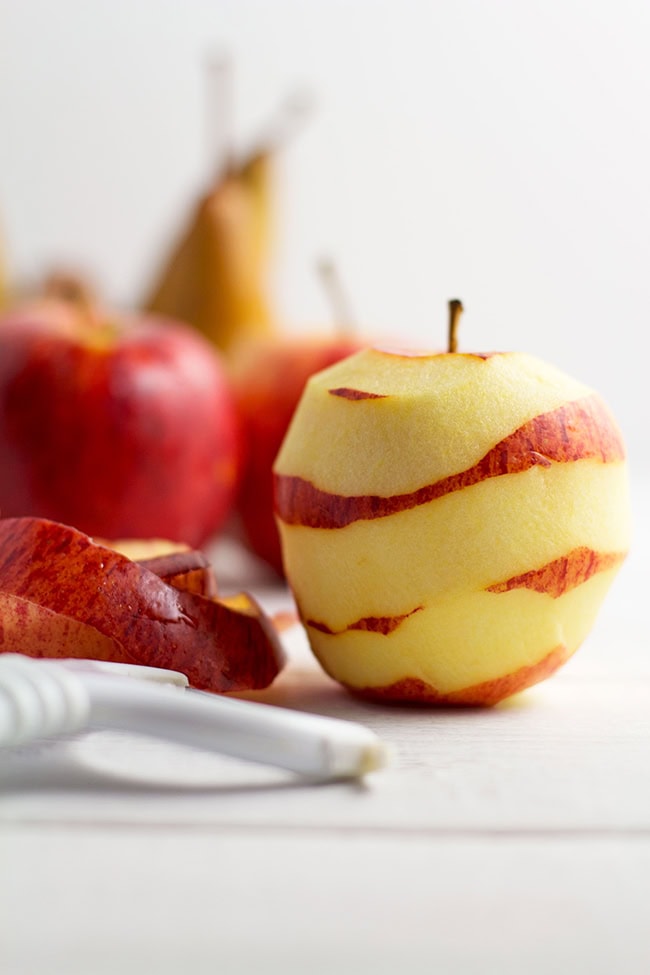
(39, 701)
(46, 698)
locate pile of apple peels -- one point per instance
(62, 594)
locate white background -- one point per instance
(495, 150)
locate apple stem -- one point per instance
(219, 97)
(455, 311)
(338, 298)
(67, 286)
(72, 289)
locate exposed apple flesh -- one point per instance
(139, 549)
(63, 595)
(189, 571)
(452, 523)
(178, 565)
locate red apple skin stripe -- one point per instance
(581, 430)
(355, 394)
(371, 624)
(416, 692)
(559, 576)
(553, 579)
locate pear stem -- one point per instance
(455, 311)
(338, 298)
(290, 117)
(219, 98)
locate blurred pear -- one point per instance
(256, 174)
(256, 171)
(216, 276)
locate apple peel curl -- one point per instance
(64, 595)
(189, 571)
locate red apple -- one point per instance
(120, 427)
(269, 378)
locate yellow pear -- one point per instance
(215, 278)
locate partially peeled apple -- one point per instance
(450, 522)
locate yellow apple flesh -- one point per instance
(176, 564)
(450, 523)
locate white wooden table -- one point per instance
(514, 840)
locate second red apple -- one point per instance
(269, 378)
